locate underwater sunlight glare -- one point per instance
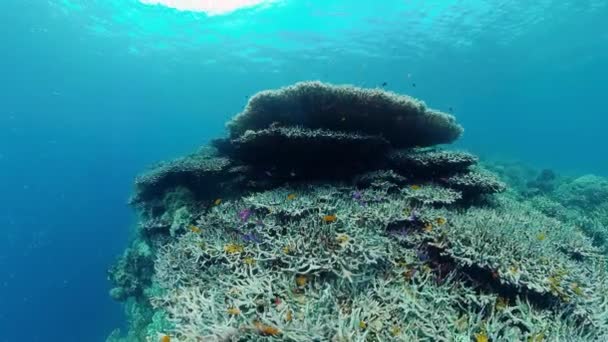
(210, 7)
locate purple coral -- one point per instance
(358, 197)
(251, 237)
(245, 214)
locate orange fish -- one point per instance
(165, 338)
(232, 311)
(441, 221)
(195, 229)
(428, 227)
(330, 218)
(415, 187)
(217, 201)
(291, 197)
(266, 330)
(301, 280)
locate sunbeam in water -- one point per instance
(211, 7)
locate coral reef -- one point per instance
(421, 162)
(586, 192)
(302, 226)
(199, 173)
(544, 182)
(402, 120)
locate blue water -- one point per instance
(94, 91)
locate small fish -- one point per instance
(217, 201)
(291, 197)
(384, 84)
(266, 330)
(289, 316)
(195, 229)
(330, 218)
(343, 119)
(362, 324)
(232, 311)
(501, 303)
(277, 301)
(410, 274)
(481, 337)
(451, 109)
(233, 248)
(414, 85)
(292, 173)
(441, 221)
(541, 236)
(301, 280)
(415, 187)
(165, 338)
(342, 239)
(268, 173)
(357, 195)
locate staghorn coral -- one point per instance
(425, 162)
(314, 147)
(402, 120)
(355, 279)
(431, 194)
(379, 179)
(200, 173)
(475, 182)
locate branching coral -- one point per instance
(475, 182)
(195, 172)
(419, 162)
(308, 225)
(376, 273)
(349, 109)
(279, 145)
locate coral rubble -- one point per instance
(328, 214)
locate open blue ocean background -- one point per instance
(93, 91)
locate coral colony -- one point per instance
(328, 213)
